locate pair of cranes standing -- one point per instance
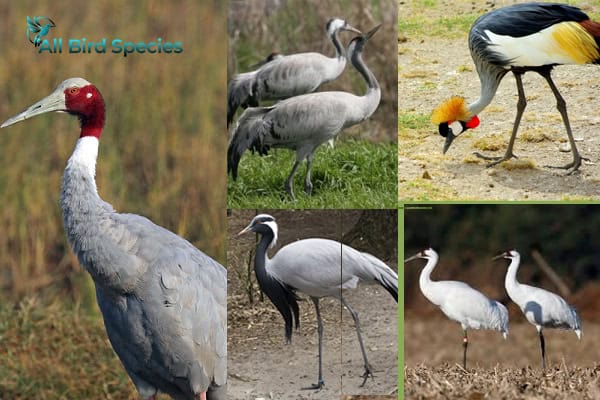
(303, 120)
(473, 310)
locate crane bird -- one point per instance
(318, 268)
(280, 77)
(542, 308)
(460, 302)
(520, 38)
(163, 301)
(303, 123)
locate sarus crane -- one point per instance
(318, 268)
(163, 301)
(283, 76)
(542, 308)
(303, 123)
(460, 302)
(520, 38)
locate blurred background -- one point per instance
(558, 253)
(161, 156)
(258, 28)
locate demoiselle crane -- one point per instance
(319, 268)
(460, 302)
(163, 301)
(303, 123)
(281, 77)
(542, 308)
(520, 38)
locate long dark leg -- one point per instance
(465, 345)
(308, 186)
(561, 105)
(543, 346)
(521, 104)
(289, 183)
(320, 382)
(368, 369)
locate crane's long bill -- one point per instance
(53, 102)
(352, 29)
(449, 139)
(245, 230)
(413, 257)
(371, 32)
(499, 256)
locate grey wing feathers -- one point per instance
(499, 317)
(249, 133)
(240, 93)
(383, 274)
(183, 297)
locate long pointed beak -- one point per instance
(371, 32)
(499, 256)
(412, 258)
(53, 102)
(449, 139)
(245, 230)
(352, 29)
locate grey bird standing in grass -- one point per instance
(303, 123)
(281, 77)
(163, 301)
(318, 268)
(542, 308)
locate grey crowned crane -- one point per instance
(541, 308)
(460, 302)
(303, 123)
(163, 301)
(318, 268)
(520, 38)
(283, 76)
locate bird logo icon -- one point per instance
(37, 28)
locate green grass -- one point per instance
(448, 27)
(354, 174)
(57, 352)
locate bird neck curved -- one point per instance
(490, 80)
(425, 277)
(365, 72)
(510, 281)
(340, 52)
(261, 259)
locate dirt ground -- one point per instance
(431, 69)
(260, 365)
(499, 368)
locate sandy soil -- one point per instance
(431, 69)
(260, 365)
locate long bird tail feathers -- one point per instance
(499, 317)
(240, 94)
(383, 275)
(249, 133)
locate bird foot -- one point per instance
(308, 187)
(495, 160)
(368, 373)
(315, 386)
(572, 166)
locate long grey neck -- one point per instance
(490, 80)
(86, 219)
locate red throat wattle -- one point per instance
(473, 122)
(87, 103)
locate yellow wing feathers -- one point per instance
(576, 42)
(453, 109)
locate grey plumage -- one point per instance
(303, 123)
(318, 268)
(280, 77)
(163, 301)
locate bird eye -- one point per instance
(74, 90)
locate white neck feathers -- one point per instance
(84, 156)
